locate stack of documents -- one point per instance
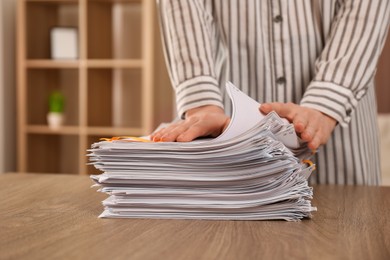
(252, 171)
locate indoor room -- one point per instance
(280, 111)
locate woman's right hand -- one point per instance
(199, 122)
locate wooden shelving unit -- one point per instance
(110, 89)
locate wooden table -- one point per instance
(55, 217)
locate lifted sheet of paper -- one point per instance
(252, 171)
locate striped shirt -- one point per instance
(320, 54)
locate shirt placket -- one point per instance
(280, 80)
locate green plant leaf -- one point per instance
(56, 102)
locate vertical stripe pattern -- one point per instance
(321, 54)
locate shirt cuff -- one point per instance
(196, 92)
(331, 99)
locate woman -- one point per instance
(312, 62)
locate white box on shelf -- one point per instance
(64, 43)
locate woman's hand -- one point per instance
(314, 126)
(198, 122)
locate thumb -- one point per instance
(282, 109)
(265, 108)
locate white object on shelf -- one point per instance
(55, 120)
(64, 43)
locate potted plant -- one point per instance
(55, 117)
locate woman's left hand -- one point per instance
(314, 126)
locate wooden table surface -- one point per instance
(55, 217)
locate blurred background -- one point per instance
(73, 71)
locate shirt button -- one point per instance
(281, 80)
(278, 19)
(349, 111)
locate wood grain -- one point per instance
(55, 217)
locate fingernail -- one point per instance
(265, 107)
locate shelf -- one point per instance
(117, 1)
(44, 129)
(133, 63)
(118, 85)
(75, 1)
(40, 84)
(53, 1)
(41, 17)
(74, 130)
(52, 64)
(118, 131)
(74, 64)
(114, 30)
(114, 98)
(52, 153)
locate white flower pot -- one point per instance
(55, 119)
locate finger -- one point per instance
(300, 123)
(265, 108)
(286, 110)
(299, 126)
(156, 136)
(309, 132)
(316, 141)
(174, 132)
(274, 106)
(192, 133)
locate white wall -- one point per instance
(7, 86)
